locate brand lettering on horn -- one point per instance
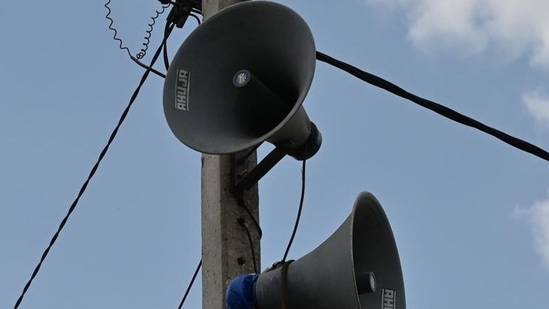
(388, 299)
(182, 86)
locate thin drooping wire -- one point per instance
(302, 198)
(190, 285)
(169, 28)
(165, 52)
(196, 18)
(254, 220)
(435, 107)
(243, 224)
(166, 57)
(143, 51)
(241, 201)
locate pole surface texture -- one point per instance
(226, 250)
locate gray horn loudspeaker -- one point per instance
(240, 78)
(358, 267)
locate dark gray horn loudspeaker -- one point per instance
(240, 79)
(357, 267)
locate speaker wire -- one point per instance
(300, 209)
(169, 28)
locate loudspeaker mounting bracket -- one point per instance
(244, 179)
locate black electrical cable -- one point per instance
(190, 285)
(302, 198)
(148, 33)
(435, 107)
(165, 52)
(143, 51)
(113, 29)
(243, 224)
(196, 18)
(169, 28)
(165, 49)
(147, 67)
(166, 57)
(254, 220)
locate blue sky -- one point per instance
(470, 214)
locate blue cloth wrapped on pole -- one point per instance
(241, 292)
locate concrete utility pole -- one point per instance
(226, 251)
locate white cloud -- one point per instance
(538, 217)
(537, 104)
(516, 27)
(541, 52)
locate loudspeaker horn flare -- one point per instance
(240, 78)
(357, 267)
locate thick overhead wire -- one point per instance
(168, 30)
(301, 200)
(435, 107)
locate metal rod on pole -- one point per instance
(226, 249)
